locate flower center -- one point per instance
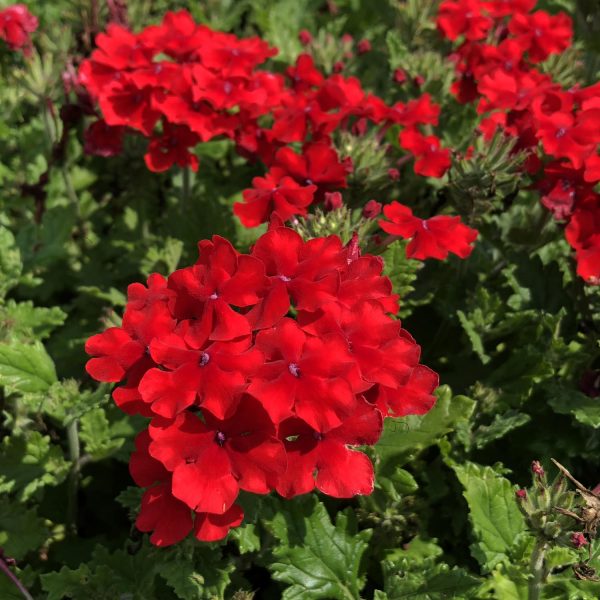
(220, 438)
(214, 296)
(561, 132)
(294, 369)
(204, 358)
(284, 278)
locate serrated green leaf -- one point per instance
(26, 367)
(10, 262)
(246, 537)
(435, 583)
(196, 572)
(100, 437)
(493, 512)
(316, 558)
(499, 427)
(568, 401)
(30, 463)
(408, 435)
(21, 530)
(25, 322)
(67, 583)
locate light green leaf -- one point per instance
(99, 436)
(316, 558)
(493, 512)
(26, 367)
(25, 322)
(10, 262)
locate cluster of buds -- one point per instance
(557, 515)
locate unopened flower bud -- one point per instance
(338, 66)
(363, 46)
(305, 37)
(394, 174)
(372, 209)
(333, 200)
(578, 539)
(400, 76)
(537, 469)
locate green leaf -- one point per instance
(28, 464)
(406, 436)
(401, 270)
(67, 583)
(10, 262)
(246, 537)
(499, 427)
(25, 322)
(316, 558)
(99, 435)
(106, 577)
(435, 583)
(162, 259)
(21, 530)
(196, 572)
(26, 367)
(568, 401)
(493, 512)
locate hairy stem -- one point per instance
(538, 572)
(6, 570)
(75, 456)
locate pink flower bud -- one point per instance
(537, 468)
(394, 174)
(333, 200)
(400, 76)
(578, 539)
(372, 209)
(363, 46)
(521, 494)
(305, 37)
(338, 67)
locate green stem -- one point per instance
(538, 571)
(75, 456)
(185, 190)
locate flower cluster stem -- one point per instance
(538, 571)
(74, 455)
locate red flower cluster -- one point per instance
(496, 63)
(430, 238)
(259, 372)
(16, 23)
(179, 84)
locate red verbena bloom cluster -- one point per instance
(430, 238)
(179, 84)
(260, 372)
(16, 24)
(501, 45)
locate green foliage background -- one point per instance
(511, 332)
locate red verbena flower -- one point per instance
(260, 372)
(430, 238)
